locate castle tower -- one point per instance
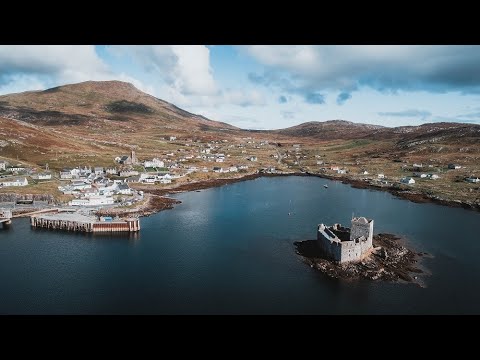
(362, 226)
(133, 157)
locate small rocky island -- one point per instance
(353, 253)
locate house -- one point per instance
(154, 163)
(217, 169)
(126, 173)
(80, 185)
(454, 166)
(98, 170)
(433, 176)
(341, 171)
(234, 169)
(243, 167)
(16, 168)
(149, 179)
(381, 176)
(92, 201)
(131, 179)
(125, 160)
(165, 181)
(14, 182)
(319, 162)
(365, 172)
(420, 175)
(407, 180)
(252, 158)
(173, 138)
(3, 165)
(472, 179)
(124, 189)
(111, 171)
(44, 176)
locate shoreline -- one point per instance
(407, 194)
(159, 200)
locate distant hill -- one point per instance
(105, 118)
(329, 130)
(79, 104)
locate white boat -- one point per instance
(325, 186)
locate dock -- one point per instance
(5, 217)
(83, 223)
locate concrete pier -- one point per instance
(5, 217)
(83, 223)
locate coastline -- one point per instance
(416, 197)
(158, 199)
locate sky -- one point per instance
(272, 86)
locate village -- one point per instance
(123, 183)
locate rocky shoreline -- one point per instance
(389, 261)
(407, 194)
(359, 184)
(159, 202)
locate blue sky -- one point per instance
(269, 87)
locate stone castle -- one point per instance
(343, 245)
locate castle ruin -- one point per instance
(342, 244)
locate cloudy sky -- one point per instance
(268, 87)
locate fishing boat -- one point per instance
(325, 186)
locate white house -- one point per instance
(472, 179)
(3, 165)
(454, 166)
(126, 173)
(65, 174)
(164, 181)
(124, 189)
(433, 176)
(92, 201)
(98, 170)
(16, 168)
(252, 158)
(111, 171)
(341, 171)
(173, 138)
(407, 180)
(154, 163)
(381, 176)
(15, 182)
(44, 176)
(233, 169)
(80, 185)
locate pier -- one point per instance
(5, 217)
(83, 223)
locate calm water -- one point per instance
(230, 250)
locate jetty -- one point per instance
(5, 217)
(83, 223)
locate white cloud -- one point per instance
(38, 67)
(193, 72)
(186, 68)
(68, 62)
(382, 67)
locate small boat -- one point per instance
(325, 186)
